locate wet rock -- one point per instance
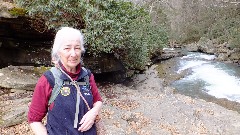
(167, 53)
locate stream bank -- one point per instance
(196, 74)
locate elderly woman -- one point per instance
(67, 93)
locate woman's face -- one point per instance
(70, 54)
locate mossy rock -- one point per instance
(16, 11)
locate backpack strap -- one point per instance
(58, 84)
(86, 78)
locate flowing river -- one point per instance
(203, 77)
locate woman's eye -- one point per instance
(77, 48)
(66, 48)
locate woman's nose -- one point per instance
(72, 52)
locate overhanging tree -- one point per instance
(109, 26)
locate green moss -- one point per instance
(17, 11)
(40, 70)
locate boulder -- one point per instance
(168, 53)
(14, 106)
(206, 45)
(193, 47)
(16, 114)
(235, 56)
(10, 77)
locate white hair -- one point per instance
(63, 34)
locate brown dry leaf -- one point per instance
(117, 124)
(169, 128)
(125, 104)
(107, 113)
(202, 129)
(136, 121)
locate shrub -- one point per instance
(110, 26)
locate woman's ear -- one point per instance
(55, 60)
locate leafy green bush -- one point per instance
(110, 26)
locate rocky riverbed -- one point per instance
(143, 107)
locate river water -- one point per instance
(206, 78)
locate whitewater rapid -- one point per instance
(208, 76)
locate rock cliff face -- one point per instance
(22, 44)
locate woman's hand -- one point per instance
(87, 120)
(38, 128)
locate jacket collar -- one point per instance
(74, 76)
